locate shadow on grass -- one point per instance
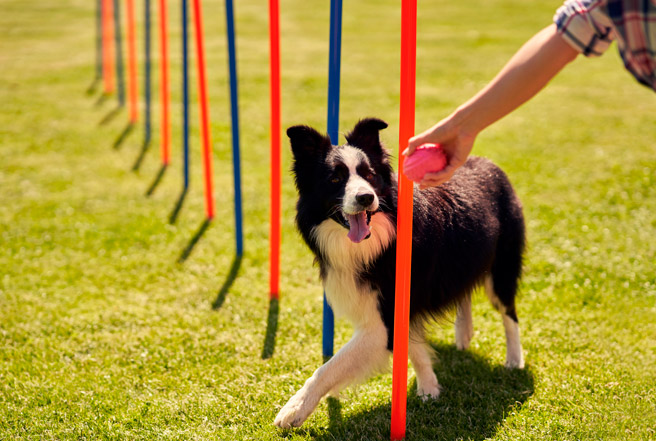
(230, 279)
(110, 116)
(102, 99)
(93, 87)
(173, 217)
(194, 240)
(122, 136)
(271, 330)
(156, 181)
(142, 154)
(476, 397)
(334, 412)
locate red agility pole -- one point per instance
(404, 221)
(132, 63)
(274, 237)
(164, 82)
(204, 109)
(108, 45)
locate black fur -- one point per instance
(463, 230)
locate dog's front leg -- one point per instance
(365, 353)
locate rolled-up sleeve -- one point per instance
(585, 25)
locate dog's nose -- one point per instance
(364, 199)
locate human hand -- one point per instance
(456, 145)
(527, 72)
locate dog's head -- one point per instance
(346, 183)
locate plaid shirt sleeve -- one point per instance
(585, 25)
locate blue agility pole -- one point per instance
(234, 111)
(185, 94)
(147, 128)
(334, 62)
(119, 54)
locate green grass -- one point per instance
(105, 335)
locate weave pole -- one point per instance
(185, 95)
(147, 62)
(107, 38)
(132, 63)
(404, 221)
(118, 52)
(164, 83)
(234, 112)
(274, 78)
(334, 72)
(99, 41)
(203, 101)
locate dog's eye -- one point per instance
(336, 180)
(371, 177)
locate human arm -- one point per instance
(527, 72)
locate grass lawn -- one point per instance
(106, 334)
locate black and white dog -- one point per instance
(466, 232)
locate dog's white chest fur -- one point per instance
(345, 260)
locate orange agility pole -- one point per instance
(204, 109)
(132, 63)
(107, 43)
(274, 236)
(164, 82)
(404, 221)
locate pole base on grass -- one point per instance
(156, 181)
(194, 240)
(271, 330)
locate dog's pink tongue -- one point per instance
(359, 229)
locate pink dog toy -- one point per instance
(427, 158)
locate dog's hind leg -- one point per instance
(464, 323)
(514, 357)
(506, 306)
(422, 357)
(502, 283)
(364, 354)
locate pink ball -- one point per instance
(427, 158)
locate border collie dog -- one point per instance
(466, 232)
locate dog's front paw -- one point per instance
(515, 362)
(429, 392)
(294, 413)
(428, 388)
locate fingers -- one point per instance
(435, 179)
(415, 142)
(456, 145)
(432, 135)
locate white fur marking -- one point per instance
(341, 252)
(345, 259)
(464, 323)
(514, 358)
(352, 157)
(364, 354)
(421, 357)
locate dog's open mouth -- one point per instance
(358, 225)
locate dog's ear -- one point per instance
(365, 135)
(306, 141)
